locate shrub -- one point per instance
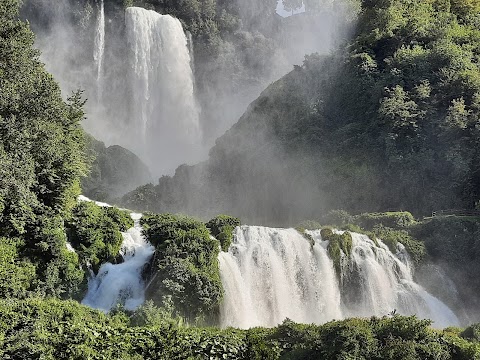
(222, 227)
(394, 220)
(95, 232)
(16, 275)
(185, 265)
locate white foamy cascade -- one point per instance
(271, 274)
(122, 283)
(99, 48)
(164, 112)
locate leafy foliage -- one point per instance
(185, 265)
(221, 227)
(54, 329)
(16, 275)
(95, 232)
(41, 160)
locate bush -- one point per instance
(394, 220)
(185, 265)
(95, 232)
(222, 227)
(16, 275)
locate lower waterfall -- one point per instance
(122, 283)
(272, 274)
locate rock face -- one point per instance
(115, 171)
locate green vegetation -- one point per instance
(185, 266)
(95, 232)
(16, 274)
(221, 227)
(396, 220)
(339, 245)
(391, 227)
(392, 237)
(53, 329)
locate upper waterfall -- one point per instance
(271, 274)
(99, 48)
(164, 116)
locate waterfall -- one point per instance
(271, 274)
(122, 283)
(164, 114)
(99, 48)
(191, 52)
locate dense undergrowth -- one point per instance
(53, 329)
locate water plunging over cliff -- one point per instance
(270, 274)
(164, 117)
(99, 48)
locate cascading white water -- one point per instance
(271, 274)
(164, 113)
(191, 52)
(122, 283)
(99, 48)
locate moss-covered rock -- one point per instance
(396, 220)
(339, 245)
(222, 227)
(306, 235)
(391, 238)
(185, 266)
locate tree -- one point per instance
(42, 155)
